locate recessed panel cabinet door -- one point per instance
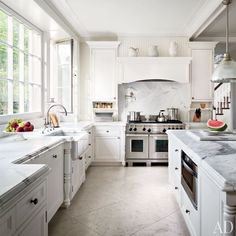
(107, 148)
(103, 74)
(202, 67)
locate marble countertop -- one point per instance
(14, 176)
(218, 158)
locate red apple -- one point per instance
(27, 129)
(20, 129)
(27, 123)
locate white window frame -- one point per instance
(27, 115)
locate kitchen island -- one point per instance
(206, 187)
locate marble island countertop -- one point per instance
(218, 158)
(15, 176)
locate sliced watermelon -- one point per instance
(216, 125)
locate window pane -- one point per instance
(16, 94)
(26, 40)
(36, 77)
(3, 61)
(26, 87)
(36, 100)
(36, 44)
(3, 26)
(3, 97)
(16, 31)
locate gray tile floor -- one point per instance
(118, 201)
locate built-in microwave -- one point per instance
(189, 178)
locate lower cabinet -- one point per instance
(27, 215)
(107, 148)
(54, 158)
(109, 143)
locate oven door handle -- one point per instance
(189, 169)
(136, 135)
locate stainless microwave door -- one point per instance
(136, 146)
(158, 147)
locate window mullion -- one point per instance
(10, 64)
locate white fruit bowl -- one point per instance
(19, 135)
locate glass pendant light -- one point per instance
(225, 72)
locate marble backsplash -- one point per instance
(150, 97)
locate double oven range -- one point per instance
(148, 141)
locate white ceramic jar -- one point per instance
(173, 50)
(153, 51)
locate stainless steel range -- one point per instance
(148, 140)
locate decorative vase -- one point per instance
(133, 52)
(173, 50)
(153, 51)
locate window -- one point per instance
(20, 67)
(64, 91)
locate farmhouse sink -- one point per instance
(79, 141)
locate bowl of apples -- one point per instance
(18, 127)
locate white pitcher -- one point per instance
(173, 50)
(153, 51)
(133, 52)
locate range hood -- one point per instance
(132, 69)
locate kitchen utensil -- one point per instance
(133, 52)
(161, 117)
(173, 113)
(134, 116)
(153, 51)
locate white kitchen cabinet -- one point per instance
(210, 205)
(78, 174)
(202, 68)
(103, 70)
(54, 158)
(109, 144)
(27, 213)
(36, 226)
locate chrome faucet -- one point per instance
(47, 120)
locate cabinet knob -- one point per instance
(54, 155)
(187, 211)
(176, 188)
(34, 201)
(176, 150)
(176, 168)
(90, 144)
(89, 132)
(192, 97)
(89, 156)
(118, 137)
(80, 158)
(114, 98)
(108, 131)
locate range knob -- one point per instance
(130, 129)
(164, 130)
(144, 129)
(135, 129)
(149, 130)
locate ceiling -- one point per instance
(217, 27)
(135, 17)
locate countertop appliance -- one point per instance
(173, 113)
(147, 140)
(189, 178)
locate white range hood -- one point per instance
(133, 69)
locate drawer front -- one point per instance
(30, 203)
(55, 152)
(107, 131)
(8, 223)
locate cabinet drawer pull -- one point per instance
(34, 201)
(80, 158)
(54, 155)
(187, 211)
(107, 131)
(176, 150)
(89, 132)
(176, 188)
(176, 168)
(89, 156)
(90, 144)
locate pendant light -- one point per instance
(225, 72)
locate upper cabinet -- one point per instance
(202, 68)
(103, 70)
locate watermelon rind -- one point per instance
(219, 129)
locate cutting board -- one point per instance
(205, 135)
